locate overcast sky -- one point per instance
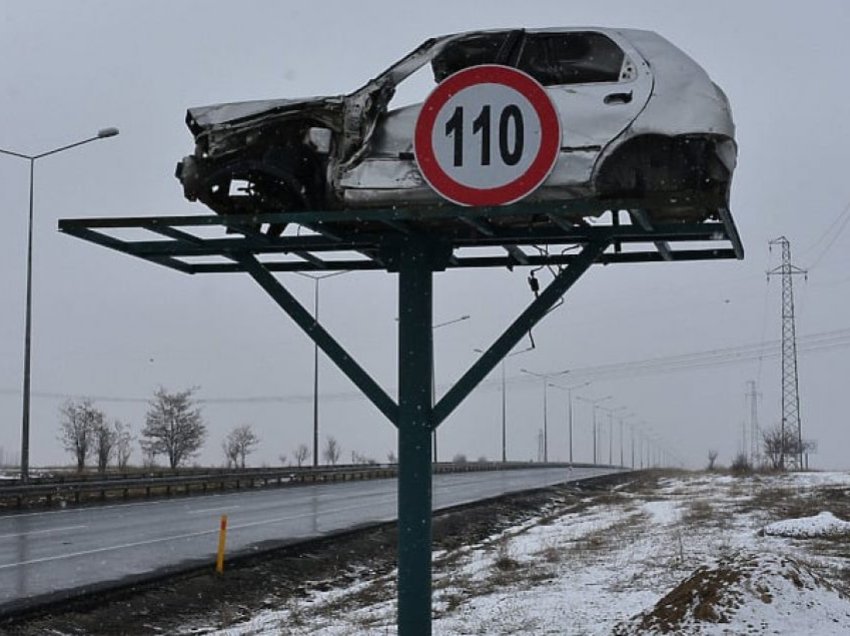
(114, 327)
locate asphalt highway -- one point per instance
(52, 553)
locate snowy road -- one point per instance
(49, 553)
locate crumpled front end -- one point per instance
(261, 157)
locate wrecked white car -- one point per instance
(638, 117)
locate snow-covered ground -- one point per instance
(691, 554)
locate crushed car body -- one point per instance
(639, 119)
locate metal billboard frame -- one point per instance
(415, 242)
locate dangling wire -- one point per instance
(534, 284)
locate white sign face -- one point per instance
(487, 135)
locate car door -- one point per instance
(598, 83)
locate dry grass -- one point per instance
(698, 512)
(505, 562)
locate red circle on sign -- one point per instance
(512, 191)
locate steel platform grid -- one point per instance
(370, 234)
(415, 243)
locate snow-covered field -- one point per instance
(691, 554)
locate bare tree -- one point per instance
(301, 454)
(391, 458)
(741, 464)
(78, 427)
(357, 458)
(148, 456)
(231, 455)
(105, 438)
(779, 444)
(238, 444)
(123, 444)
(712, 457)
(283, 459)
(173, 426)
(332, 450)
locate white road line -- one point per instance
(251, 524)
(175, 537)
(203, 510)
(28, 534)
(71, 555)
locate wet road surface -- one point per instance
(51, 552)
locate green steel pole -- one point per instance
(504, 415)
(570, 417)
(415, 334)
(25, 425)
(316, 377)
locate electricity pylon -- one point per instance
(790, 385)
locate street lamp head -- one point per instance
(107, 132)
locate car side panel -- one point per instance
(684, 99)
(591, 114)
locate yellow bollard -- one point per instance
(222, 537)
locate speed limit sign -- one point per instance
(487, 135)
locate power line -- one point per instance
(826, 340)
(840, 222)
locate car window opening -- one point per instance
(551, 58)
(571, 58)
(479, 49)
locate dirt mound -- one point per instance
(747, 594)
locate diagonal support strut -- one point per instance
(362, 380)
(512, 335)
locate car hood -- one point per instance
(204, 118)
(221, 129)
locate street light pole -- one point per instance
(595, 403)
(545, 377)
(611, 431)
(640, 451)
(25, 416)
(316, 280)
(505, 399)
(623, 418)
(569, 390)
(434, 376)
(621, 441)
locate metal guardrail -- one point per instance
(76, 488)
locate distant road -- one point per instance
(52, 553)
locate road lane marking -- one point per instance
(175, 537)
(203, 510)
(186, 535)
(27, 534)
(251, 524)
(135, 544)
